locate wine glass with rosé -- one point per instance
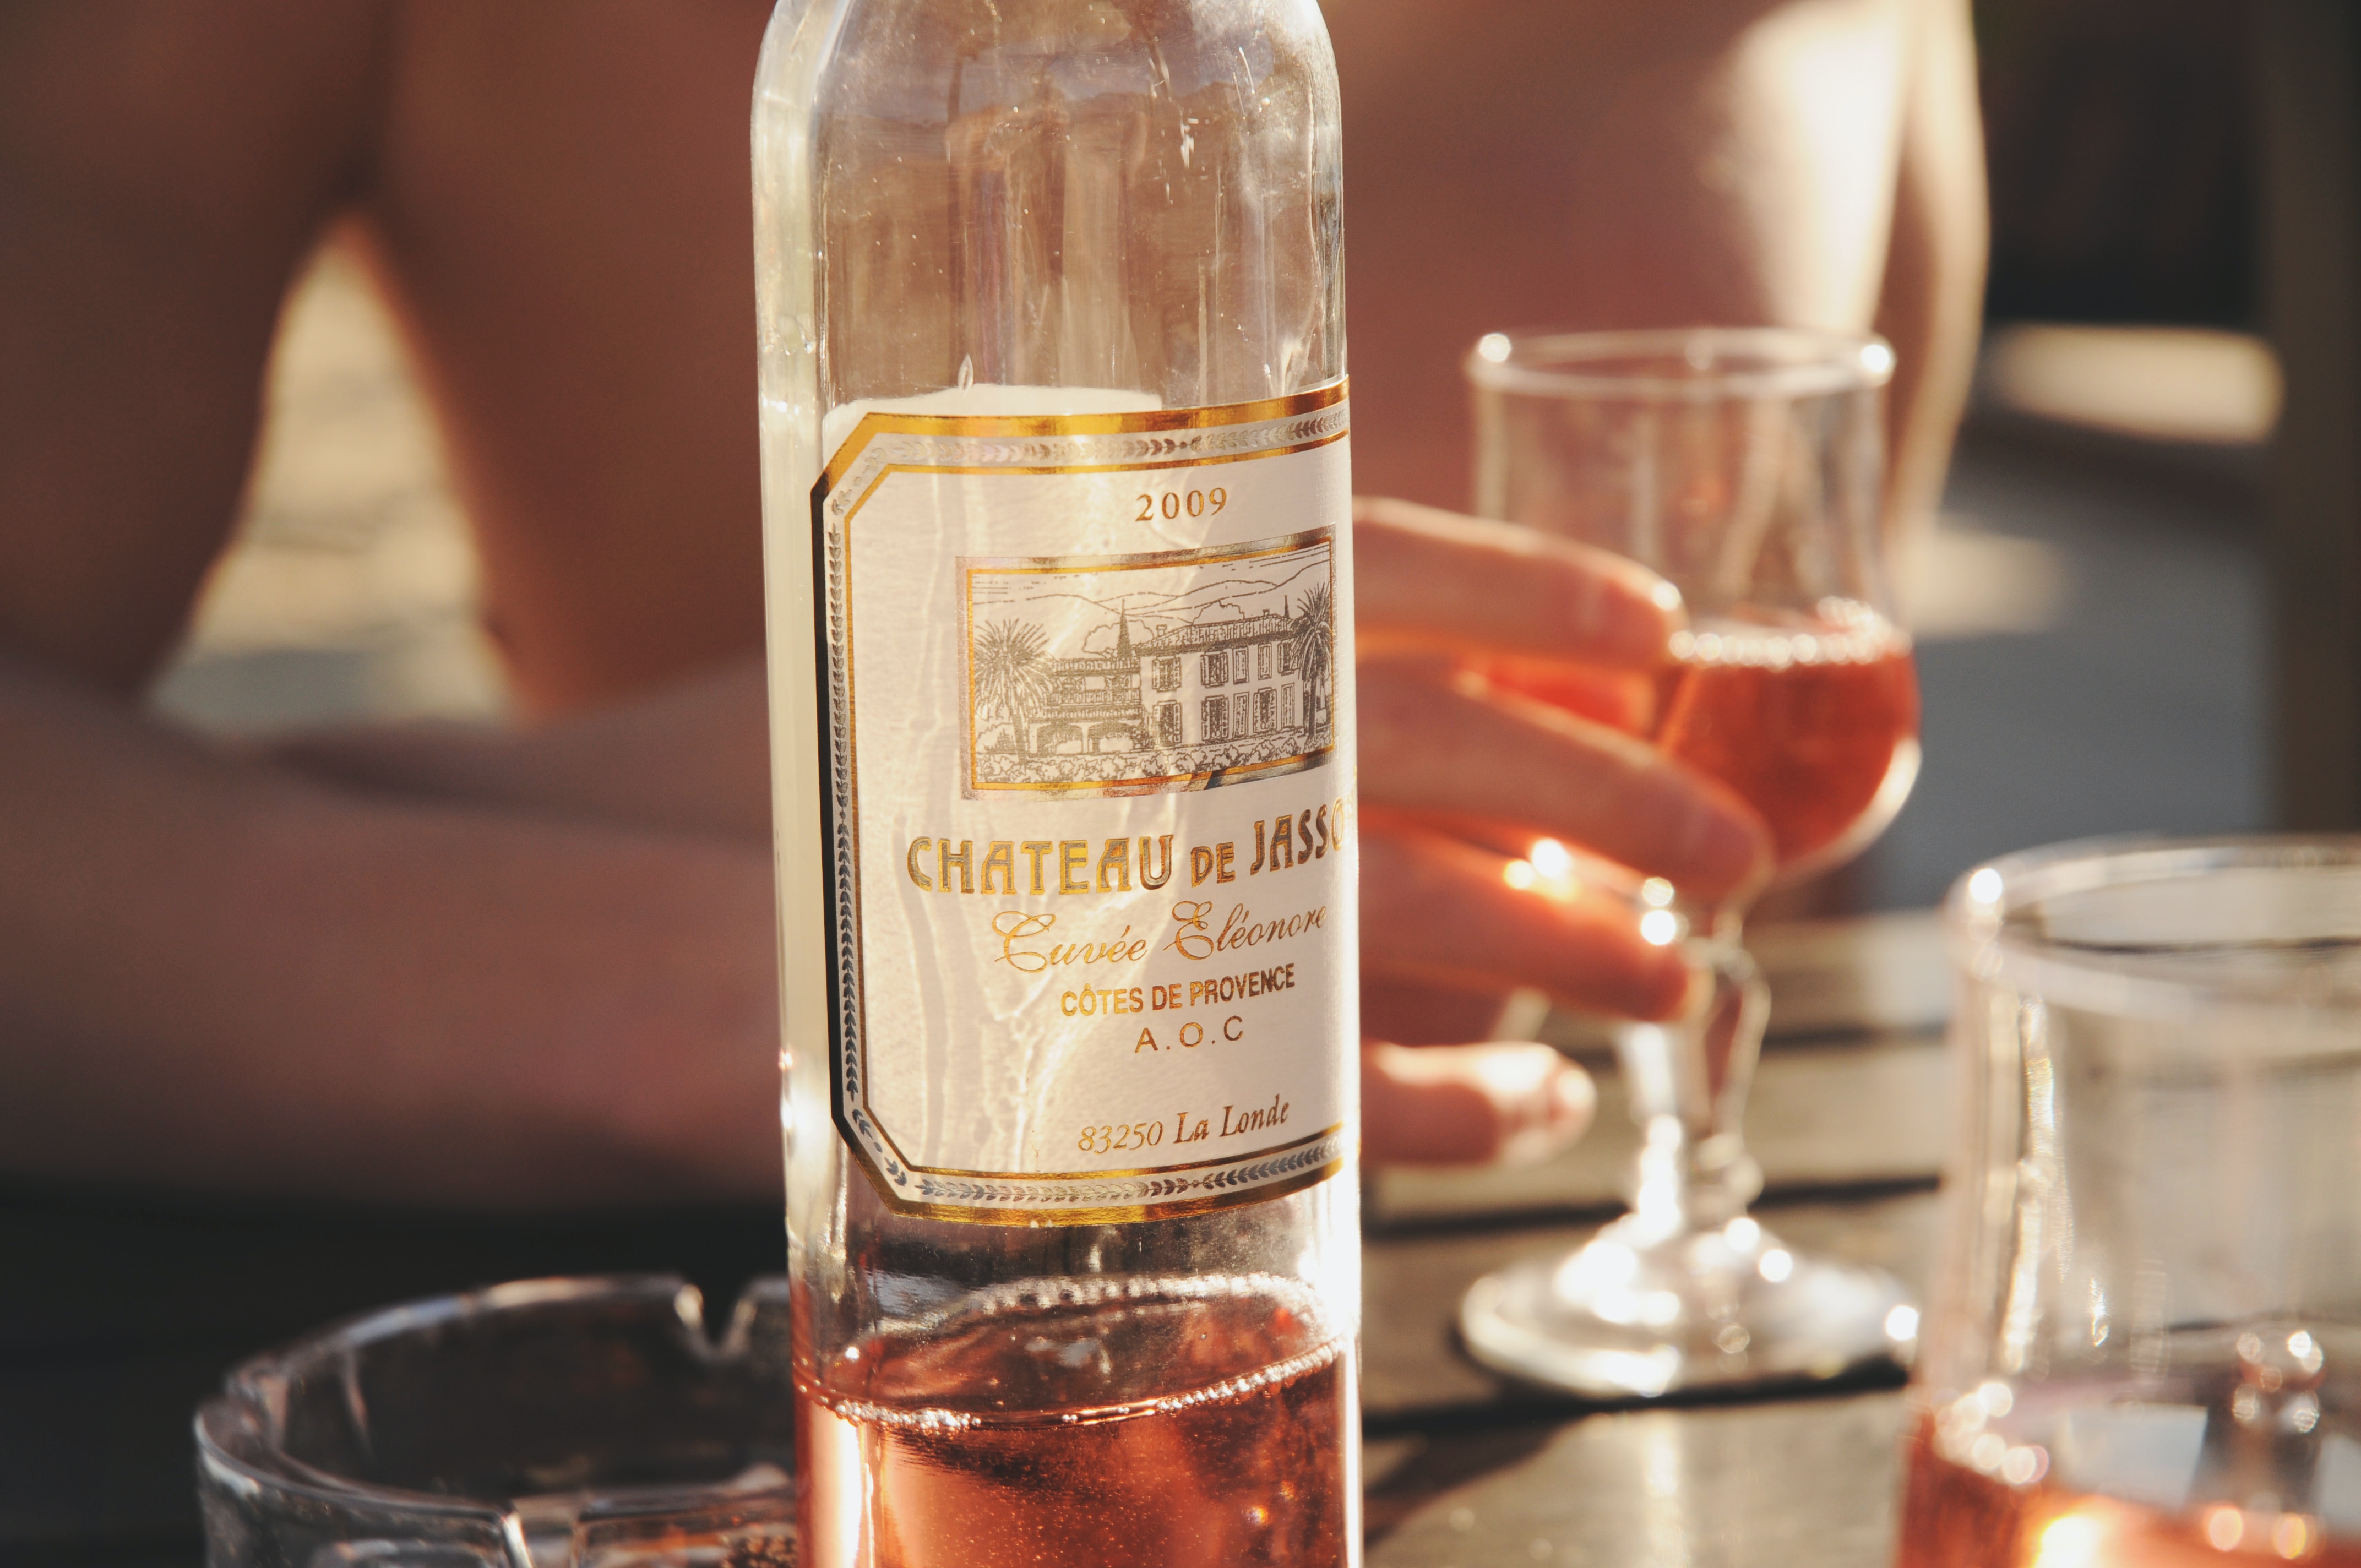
(1745, 467)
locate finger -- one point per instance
(1465, 1104)
(1458, 748)
(1437, 910)
(1620, 700)
(1423, 574)
(1408, 1013)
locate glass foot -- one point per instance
(1638, 1315)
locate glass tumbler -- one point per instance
(552, 1423)
(2145, 1342)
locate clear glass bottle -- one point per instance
(1058, 548)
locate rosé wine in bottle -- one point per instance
(1058, 552)
(1023, 1454)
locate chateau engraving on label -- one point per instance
(1130, 675)
(1088, 814)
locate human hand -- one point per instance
(1462, 772)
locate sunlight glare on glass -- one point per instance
(1984, 886)
(1655, 892)
(1776, 1265)
(1902, 1325)
(1493, 347)
(1877, 358)
(1604, 1267)
(1660, 927)
(1552, 859)
(2070, 1542)
(1549, 866)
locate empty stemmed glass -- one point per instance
(1744, 466)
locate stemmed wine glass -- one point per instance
(1744, 466)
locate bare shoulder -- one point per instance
(562, 220)
(164, 167)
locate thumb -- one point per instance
(1469, 1104)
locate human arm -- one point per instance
(691, 756)
(1931, 302)
(213, 971)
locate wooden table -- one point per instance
(1849, 1118)
(1463, 1469)
(119, 1311)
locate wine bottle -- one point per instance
(1057, 514)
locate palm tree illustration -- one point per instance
(1314, 632)
(1010, 680)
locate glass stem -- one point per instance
(1687, 1079)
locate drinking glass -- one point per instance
(2144, 1341)
(1745, 467)
(550, 1424)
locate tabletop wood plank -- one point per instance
(118, 1310)
(96, 1463)
(1810, 1481)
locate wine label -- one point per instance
(1087, 821)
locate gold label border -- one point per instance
(831, 564)
(1012, 427)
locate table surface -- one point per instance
(1464, 1468)
(118, 1311)
(1849, 1117)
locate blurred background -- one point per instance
(2092, 612)
(2129, 580)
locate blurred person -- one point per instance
(536, 966)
